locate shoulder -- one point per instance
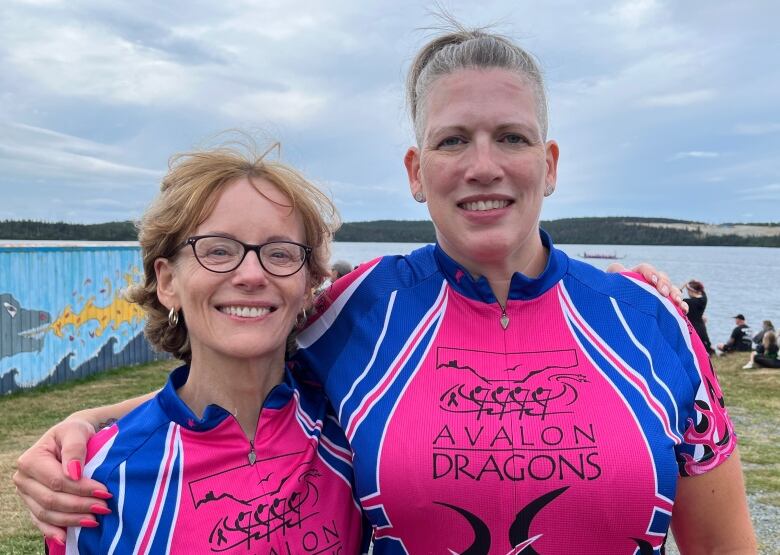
(120, 441)
(626, 301)
(377, 279)
(627, 288)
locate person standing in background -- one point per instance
(697, 303)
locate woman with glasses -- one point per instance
(234, 454)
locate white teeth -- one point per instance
(245, 311)
(482, 205)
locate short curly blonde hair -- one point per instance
(188, 194)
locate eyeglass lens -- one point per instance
(222, 254)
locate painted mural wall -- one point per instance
(63, 315)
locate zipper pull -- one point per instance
(504, 318)
(252, 456)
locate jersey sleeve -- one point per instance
(340, 311)
(708, 438)
(707, 433)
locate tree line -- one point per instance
(59, 231)
(589, 231)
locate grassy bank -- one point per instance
(753, 397)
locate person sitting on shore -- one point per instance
(740, 337)
(767, 356)
(758, 339)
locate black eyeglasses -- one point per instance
(224, 254)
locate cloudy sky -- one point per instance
(661, 108)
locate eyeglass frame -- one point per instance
(307, 250)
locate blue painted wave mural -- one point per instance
(63, 313)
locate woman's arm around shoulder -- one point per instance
(48, 476)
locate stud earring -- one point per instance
(549, 190)
(419, 196)
(173, 317)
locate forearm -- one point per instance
(99, 417)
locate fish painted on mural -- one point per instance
(21, 329)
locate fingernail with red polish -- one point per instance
(87, 523)
(654, 278)
(101, 494)
(74, 470)
(99, 509)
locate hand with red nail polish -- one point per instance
(102, 494)
(56, 493)
(74, 470)
(99, 509)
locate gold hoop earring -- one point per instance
(300, 320)
(173, 317)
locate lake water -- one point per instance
(737, 279)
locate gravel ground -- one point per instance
(766, 521)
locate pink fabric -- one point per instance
(573, 421)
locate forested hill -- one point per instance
(58, 231)
(592, 231)
(589, 231)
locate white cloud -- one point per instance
(43, 153)
(103, 93)
(695, 154)
(634, 13)
(679, 99)
(89, 62)
(769, 192)
(278, 106)
(757, 128)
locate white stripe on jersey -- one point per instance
(120, 508)
(314, 331)
(73, 533)
(165, 463)
(180, 451)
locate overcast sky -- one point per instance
(661, 108)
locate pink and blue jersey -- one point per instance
(560, 423)
(191, 485)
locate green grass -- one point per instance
(753, 398)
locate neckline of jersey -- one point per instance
(521, 286)
(178, 411)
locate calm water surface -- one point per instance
(737, 279)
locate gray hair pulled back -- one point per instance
(459, 48)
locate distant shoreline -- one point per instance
(588, 231)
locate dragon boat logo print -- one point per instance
(535, 384)
(512, 416)
(288, 501)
